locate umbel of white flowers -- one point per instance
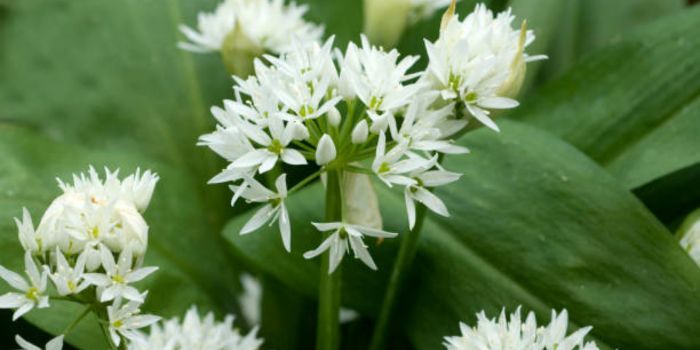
(195, 332)
(514, 334)
(89, 244)
(241, 30)
(362, 111)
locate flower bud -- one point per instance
(360, 132)
(299, 131)
(334, 116)
(689, 234)
(385, 20)
(238, 53)
(514, 82)
(325, 151)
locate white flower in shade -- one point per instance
(274, 210)
(479, 62)
(125, 320)
(325, 151)
(269, 25)
(418, 192)
(195, 332)
(378, 79)
(213, 28)
(69, 279)
(53, 344)
(27, 235)
(344, 238)
(250, 300)
(114, 282)
(32, 291)
(274, 146)
(513, 333)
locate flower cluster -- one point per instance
(513, 333)
(244, 29)
(362, 111)
(195, 332)
(90, 244)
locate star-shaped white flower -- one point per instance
(69, 279)
(32, 291)
(114, 282)
(274, 146)
(344, 238)
(274, 210)
(28, 237)
(418, 192)
(389, 166)
(53, 344)
(125, 319)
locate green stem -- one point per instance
(304, 182)
(407, 252)
(75, 322)
(103, 321)
(328, 328)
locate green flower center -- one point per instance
(384, 167)
(471, 97)
(32, 294)
(275, 147)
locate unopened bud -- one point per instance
(385, 21)
(334, 116)
(360, 132)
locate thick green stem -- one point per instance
(328, 329)
(407, 251)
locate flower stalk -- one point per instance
(328, 329)
(404, 259)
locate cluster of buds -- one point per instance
(89, 244)
(362, 111)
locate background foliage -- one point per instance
(571, 206)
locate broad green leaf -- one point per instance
(193, 267)
(586, 25)
(632, 106)
(342, 18)
(108, 74)
(534, 223)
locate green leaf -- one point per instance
(193, 267)
(342, 18)
(534, 223)
(634, 105)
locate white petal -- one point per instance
(320, 249)
(368, 231)
(360, 132)
(497, 103)
(361, 252)
(250, 159)
(481, 116)
(13, 279)
(259, 219)
(327, 226)
(293, 157)
(337, 252)
(55, 343)
(12, 300)
(140, 274)
(26, 307)
(285, 228)
(25, 344)
(431, 201)
(410, 208)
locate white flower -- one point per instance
(125, 320)
(32, 292)
(53, 344)
(195, 332)
(378, 79)
(69, 279)
(114, 282)
(274, 146)
(325, 151)
(269, 25)
(93, 211)
(418, 192)
(27, 235)
(479, 62)
(390, 169)
(274, 210)
(251, 298)
(344, 238)
(514, 334)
